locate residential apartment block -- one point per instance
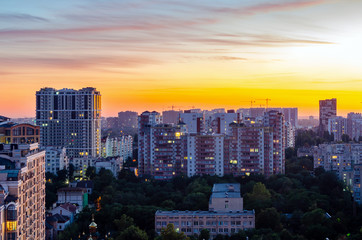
(242, 147)
(343, 159)
(56, 159)
(127, 119)
(118, 146)
(338, 127)
(145, 121)
(327, 110)
(22, 192)
(205, 154)
(70, 118)
(351, 126)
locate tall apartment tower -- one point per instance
(275, 120)
(145, 121)
(22, 192)
(70, 118)
(327, 110)
(171, 116)
(205, 154)
(168, 150)
(127, 119)
(195, 121)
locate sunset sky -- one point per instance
(150, 55)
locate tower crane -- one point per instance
(251, 102)
(266, 101)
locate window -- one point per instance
(11, 213)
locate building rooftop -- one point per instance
(3, 118)
(226, 187)
(226, 190)
(85, 184)
(204, 213)
(70, 207)
(72, 189)
(226, 195)
(8, 124)
(7, 163)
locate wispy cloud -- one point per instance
(21, 17)
(269, 7)
(79, 62)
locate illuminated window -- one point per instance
(11, 226)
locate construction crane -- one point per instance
(172, 107)
(266, 101)
(251, 102)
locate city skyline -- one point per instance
(150, 55)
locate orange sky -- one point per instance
(209, 54)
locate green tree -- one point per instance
(269, 218)
(204, 234)
(71, 170)
(169, 233)
(132, 233)
(345, 138)
(260, 197)
(90, 172)
(123, 223)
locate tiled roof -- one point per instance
(70, 207)
(72, 189)
(85, 184)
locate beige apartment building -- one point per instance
(22, 192)
(225, 216)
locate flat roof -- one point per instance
(11, 173)
(226, 195)
(226, 187)
(203, 213)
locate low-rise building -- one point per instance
(225, 216)
(87, 184)
(73, 195)
(15, 133)
(66, 209)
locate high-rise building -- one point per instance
(145, 121)
(219, 122)
(291, 116)
(249, 150)
(289, 135)
(171, 116)
(168, 151)
(354, 126)
(127, 119)
(121, 146)
(275, 120)
(338, 127)
(337, 157)
(112, 122)
(56, 159)
(257, 112)
(327, 110)
(205, 154)
(70, 118)
(195, 121)
(22, 192)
